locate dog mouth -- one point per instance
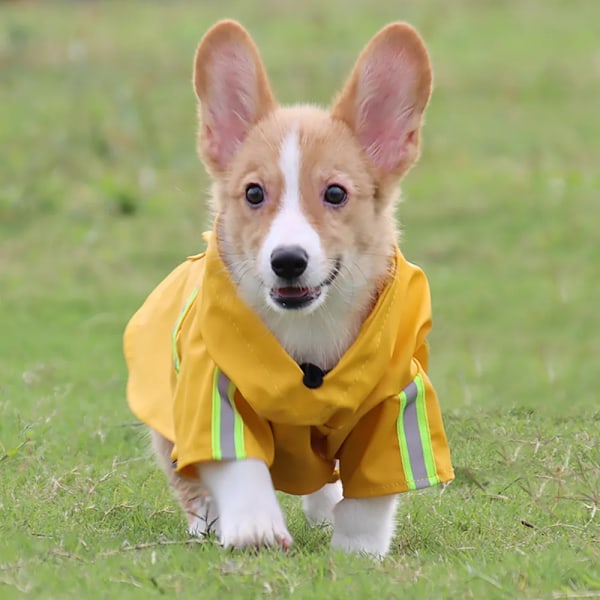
(293, 297)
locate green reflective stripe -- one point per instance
(227, 425)
(425, 432)
(216, 418)
(414, 437)
(184, 311)
(408, 474)
(240, 446)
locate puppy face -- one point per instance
(304, 196)
(299, 220)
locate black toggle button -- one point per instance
(313, 376)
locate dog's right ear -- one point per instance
(234, 93)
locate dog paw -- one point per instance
(197, 527)
(249, 514)
(354, 545)
(318, 507)
(203, 519)
(364, 525)
(255, 530)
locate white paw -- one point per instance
(365, 525)
(204, 519)
(249, 514)
(255, 528)
(318, 506)
(359, 545)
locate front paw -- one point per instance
(318, 506)
(249, 514)
(254, 529)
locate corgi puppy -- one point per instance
(295, 290)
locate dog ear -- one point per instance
(385, 96)
(234, 93)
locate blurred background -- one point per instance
(102, 193)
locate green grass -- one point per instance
(102, 195)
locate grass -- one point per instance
(102, 195)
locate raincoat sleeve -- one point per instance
(212, 420)
(399, 445)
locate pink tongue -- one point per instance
(292, 292)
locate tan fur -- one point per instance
(189, 492)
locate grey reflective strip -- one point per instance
(413, 437)
(227, 430)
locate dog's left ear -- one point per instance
(385, 96)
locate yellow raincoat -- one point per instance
(207, 374)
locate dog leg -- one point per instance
(365, 525)
(192, 495)
(318, 506)
(249, 514)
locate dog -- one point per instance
(292, 354)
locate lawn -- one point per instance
(101, 195)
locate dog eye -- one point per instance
(255, 195)
(335, 195)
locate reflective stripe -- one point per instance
(216, 418)
(227, 429)
(227, 426)
(425, 433)
(414, 438)
(405, 416)
(184, 311)
(240, 446)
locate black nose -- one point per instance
(289, 262)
